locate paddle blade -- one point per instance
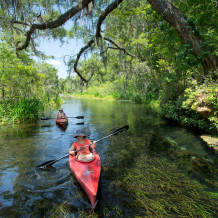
(45, 118)
(50, 162)
(79, 117)
(46, 164)
(82, 123)
(122, 129)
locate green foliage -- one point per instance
(164, 67)
(20, 110)
(25, 86)
(202, 95)
(161, 70)
(187, 110)
(173, 110)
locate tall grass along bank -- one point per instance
(12, 111)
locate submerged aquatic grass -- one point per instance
(161, 189)
(144, 181)
(157, 186)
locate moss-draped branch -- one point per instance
(54, 24)
(98, 35)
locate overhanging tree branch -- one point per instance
(54, 24)
(187, 33)
(120, 48)
(92, 41)
(104, 14)
(78, 57)
(98, 35)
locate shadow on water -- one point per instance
(153, 169)
(62, 127)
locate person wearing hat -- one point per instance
(85, 153)
(61, 114)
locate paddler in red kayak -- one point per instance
(61, 114)
(85, 153)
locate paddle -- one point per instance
(82, 123)
(48, 118)
(50, 162)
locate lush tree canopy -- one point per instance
(29, 19)
(138, 50)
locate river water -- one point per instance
(28, 192)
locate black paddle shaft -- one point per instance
(118, 131)
(48, 118)
(49, 163)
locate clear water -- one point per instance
(28, 192)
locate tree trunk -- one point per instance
(187, 33)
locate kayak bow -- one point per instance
(62, 121)
(87, 174)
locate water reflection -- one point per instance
(25, 191)
(62, 127)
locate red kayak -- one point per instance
(62, 121)
(87, 174)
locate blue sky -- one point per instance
(58, 50)
(51, 47)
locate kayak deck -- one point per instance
(62, 121)
(87, 174)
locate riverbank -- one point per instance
(211, 141)
(153, 104)
(108, 97)
(17, 111)
(23, 110)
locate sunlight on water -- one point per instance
(27, 191)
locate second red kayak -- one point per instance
(87, 174)
(62, 121)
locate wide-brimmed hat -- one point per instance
(80, 132)
(61, 109)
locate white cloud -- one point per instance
(54, 62)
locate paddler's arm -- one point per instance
(93, 146)
(71, 150)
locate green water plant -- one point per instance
(20, 110)
(158, 187)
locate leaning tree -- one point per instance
(30, 19)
